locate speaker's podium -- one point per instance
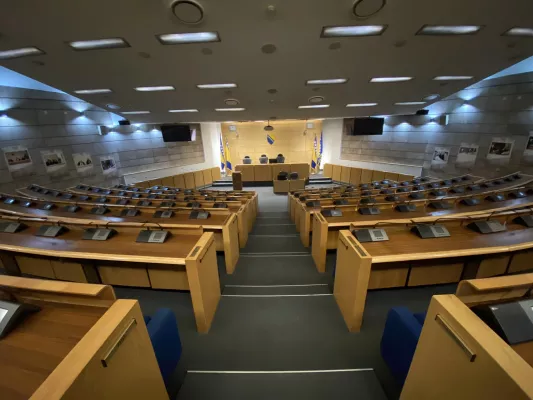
(82, 344)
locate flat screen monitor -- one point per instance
(176, 133)
(368, 126)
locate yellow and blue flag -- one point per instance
(319, 157)
(271, 138)
(229, 166)
(222, 156)
(314, 155)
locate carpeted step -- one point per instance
(277, 290)
(274, 244)
(278, 229)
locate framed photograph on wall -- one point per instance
(440, 156)
(500, 148)
(53, 160)
(467, 153)
(108, 164)
(17, 157)
(82, 161)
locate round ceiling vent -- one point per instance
(231, 102)
(367, 8)
(272, 91)
(113, 106)
(188, 12)
(335, 46)
(207, 51)
(268, 48)
(316, 99)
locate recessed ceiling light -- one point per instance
(135, 112)
(410, 103)
(452, 78)
(111, 43)
(449, 29)
(432, 97)
(183, 111)
(391, 79)
(191, 37)
(326, 81)
(154, 88)
(356, 30)
(361, 105)
(113, 106)
(518, 31)
(216, 85)
(92, 91)
(230, 109)
(315, 106)
(22, 52)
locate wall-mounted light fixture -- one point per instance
(3, 114)
(441, 119)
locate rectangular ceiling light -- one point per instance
(184, 111)
(230, 109)
(326, 81)
(111, 43)
(93, 91)
(154, 88)
(135, 112)
(391, 79)
(22, 52)
(410, 103)
(518, 31)
(361, 105)
(356, 30)
(216, 86)
(315, 106)
(192, 37)
(449, 29)
(452, 78)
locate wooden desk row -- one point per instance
(185, 261)
(188, 180)
(341, 173)
(269, 172)
(407, 260)
(83, 344)
(459, 357)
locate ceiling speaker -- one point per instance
(188, 12)
(367, 8)
(231, 102)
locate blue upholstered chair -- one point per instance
(263, 159)
(165, 338)
(246, 160)
(400, 337)
(280, 159)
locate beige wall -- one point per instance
(292, 139)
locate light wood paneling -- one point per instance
(521, 261)
(277, 168)
(263, 173)
(35, 266)
(281, 186)
(378, 175)
(302, 169)
(433, 272)
(215, 173)
(492, 266)
(189, 180)
(167, 181)
(179, 181)
(327, 170)
(391, 176)
(355, 176)
(247, 172)
(292, 139)
(198, 178)
(336, 173)
(403, 177)
(68, 271)
(168, 279)
(345, 174)
(156, 182)
(388, 275)
(208, 179)
(366, 175)
(296, 184)
(124, 276)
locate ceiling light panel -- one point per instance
(387, 79)
(216, 86)
(192, 37)
(351, 31)
(22, 52)
(154, 88)
(111, 43)
(189, 110)
(92, 91)
(135, 112)
(335, 81)
(315, 106)
(230, 109)
(410, 103)
(439, 30)
(362, 105)
(453, 78)
(518, 31)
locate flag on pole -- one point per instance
(229, 167)
(314, 156)
(222, 155)
(319, 158)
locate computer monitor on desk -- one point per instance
(272, 160)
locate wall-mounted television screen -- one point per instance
(176, 133)
(368, 126)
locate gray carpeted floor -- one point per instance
(256, 329)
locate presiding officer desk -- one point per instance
(185, 261)
(459, 356)
(406, 260)
(83, 344)
(222, 222)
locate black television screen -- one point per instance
(368, 126)
(176, 133)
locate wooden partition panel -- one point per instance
(263, 173)
(403, 177)
(277, 168)
(189, 180)
(328, 170)
(302, 169)
(215, 173)
(156, 182)
(336, 174)
(392, 176)
(198, 178)
(378, 175)
(167, 181)
(355, 176)
(208, 179)
(366, 175)
(247, 172)
(345, 174)
(179, 181)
